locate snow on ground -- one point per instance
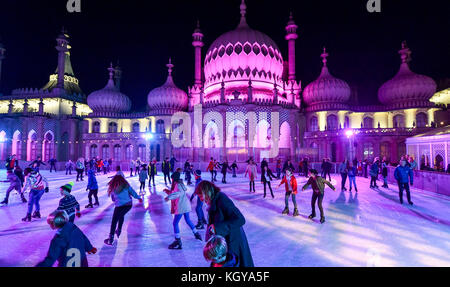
(368, 228)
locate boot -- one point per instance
(350, 189)
(356, 189)
(89, 206)
(98, 204)
(36, 214)
(199, 225)
(27, 218)
(410, 203)
(295, 212)
(198, 236)
(5, 201)
(285, 211)
(322, 219)
(311, 216)
(176, 244)
(109, 240)
(24, 200)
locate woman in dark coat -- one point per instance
(225, 220)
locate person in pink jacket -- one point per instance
(180, 206)
(252, 174)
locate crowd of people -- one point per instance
(226, 241)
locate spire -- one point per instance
(405, 53)
(170, 69)
(243, 9)
(110, 83)
(324, 56)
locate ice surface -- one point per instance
(368, 228)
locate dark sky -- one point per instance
(143, 34)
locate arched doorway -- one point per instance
(31, 146)
(48, 146)
(17, 144)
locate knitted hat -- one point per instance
(68, 187)
(198, 172)
(175, 176)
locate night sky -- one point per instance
(142, 35)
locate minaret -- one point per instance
(2, 56)
(41, 106)
(291, 36)
(117, 75)
(243, 10)
(197, 42)
(62, 47)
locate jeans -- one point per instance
(93, 192)
(118, 217)
(35, 196)
(352, 179)
(315, 196)
(270, 188)
(234, 172)
(52, 167)
(168, 177)
(176, 221)
(252, 183)
(403, 186)
(373, 181)
(11, 188)
(385, 180)
(142, 187)
(286, 199)
(344, 179)
(199, 211)
(152, 177)
(68, 170)
(224, 177)
(79, 174)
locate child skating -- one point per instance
(37, 185)
(143, 176)
(93, 189)
(68, 236)
(180, 207)
(14, 184)
(252, 174)
(318, 186)
(290, 184)
(199, 207)
(69, 203)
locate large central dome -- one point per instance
(242, 54)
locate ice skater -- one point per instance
(79, 167)
(216, 252)
(352, 176)
(69, 167)
(152, 172)
(68, 237)
(37, 185)
(266, 177)
(143, 176)
(212, 169)
(234, 168)
(52, 163)
(199, 207)
(165, 166)
(14, 184)
(290, 185)
(318, 186)
(69, 203)
(36, 164)
(120, 192)
(92, 186)
(384, 172)
(180, 207)
(343, 170)
(252, 174)
(374, 170)
(224, 168)
(404, 176)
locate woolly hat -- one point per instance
(68, 187)
(175, 176)
(198, 172)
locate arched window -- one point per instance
(439, 163)
(346, 122)
(96, 127)
(129, 152)
(94, 151)
(48, 146)
(17, 145)
(385, 150)
(313, 124)
(368, 150)
(112, 127)
(332, 122)
(136, 128)
(141, 152)
(117, 150)
(31, 145)
(399, 121)
(105, 151)
(368, 123)
(421, 120)
(160, 127)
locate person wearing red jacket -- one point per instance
(290, 184)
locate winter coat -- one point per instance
(319, 185)
(234, 165)
(92, 181)
(211, 166)
(230, 261)
(122, 196)
(343, 168)
(14, 180)
(403, 173)
(292, 181)
(165, 167)
(69, 236)
(266, 176)
(287, 166)
(35, 181)
(374, 170)
(180, 203)
(263, 164)
(225, 166)
(79, 165)
(228, 222)
(384, 170)
(152, 169)
(252, 172)
(143, 175)
(11, 163)
(352, 171)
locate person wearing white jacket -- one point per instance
(180, 206)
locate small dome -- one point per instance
(109, 99)
(168, 98)
(326, 88)
(407, 88)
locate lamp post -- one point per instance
(351, 146)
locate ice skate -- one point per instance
(322, 220)
(198, 236)
(311, 216)
(411, 203)
(36, 214)
(97, 204)
(176, 244)
(200, 225)
(89, 206)
(295, 212)
(109, 240)
(4, 202)
(24, 200)
(27, 218)
(285, 211)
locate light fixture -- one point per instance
(349, 133)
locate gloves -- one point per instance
(92, 251)
(78, 214)
(46, 189)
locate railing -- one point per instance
(370, 131)
(122, 135)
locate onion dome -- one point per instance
(326, 91)
(406, 88)
(168, 98)
(109, 99)
(242, 54)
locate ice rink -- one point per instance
(368, 228)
